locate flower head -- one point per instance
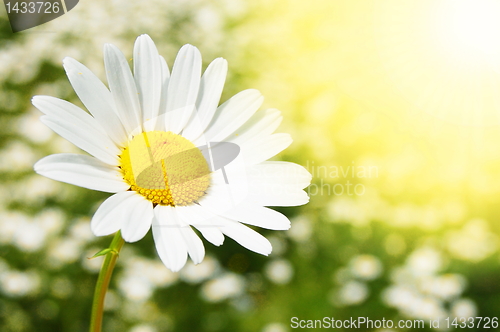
(171, 156)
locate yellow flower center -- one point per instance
(165, 168)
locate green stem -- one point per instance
(103, 282)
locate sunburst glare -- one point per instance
(443, 56)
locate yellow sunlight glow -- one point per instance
(442, 56)
(472, 26)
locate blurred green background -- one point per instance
(394, 108)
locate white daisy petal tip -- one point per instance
(255, 92)
(145, 36)
(189, 50)
(68, 61)
(37, 167)
(71, 65)
(110, 51)
(188, 47)
(33, 100)
(286, 227)
(221, 63)
(39, 98)
(146, 39)
(218, 244)
(266, 251)
(177, 267)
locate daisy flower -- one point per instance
(174, 160)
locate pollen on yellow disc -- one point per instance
(165, 168)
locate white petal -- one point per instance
(222, 197)
(168, 238)
(82, 171)
(257, 151)
(64, 110)
(245, 236)
(262, 123)
(183, 88)
(111, 214)
(148, 77)
(96, 98)
(138, 218)
(278, 196)
(203, 220)
(86, 138)
(233, 114)
(158, 123)
(195, 247)
(123, 89)
(165, 76)
(211, 85)
(280, 173)
(259, 216)
(252, 214)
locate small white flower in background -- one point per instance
(275, 327)
(197, 273)
(445, 287)
(419, 291)
(353, 293)
(18, 156)
(16, 283)
(425, 261)
(172, 158)
(279, 271)
(143, 328)
(464, 308)
(141, 276)
(228, 285)
(301, 230)
(367, 267)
